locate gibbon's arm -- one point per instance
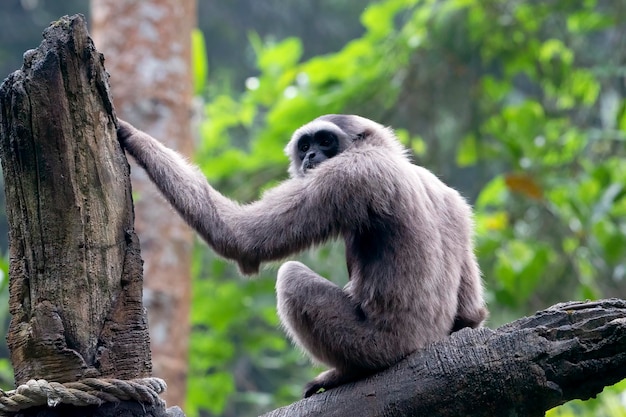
(296, 214)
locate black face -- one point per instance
(315, 148)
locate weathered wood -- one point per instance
(571, 350)
(75, 266)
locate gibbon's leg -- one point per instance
(471, 311)
(321, 318)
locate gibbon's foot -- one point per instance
(327, 380)
(312, 388)
(324, 381)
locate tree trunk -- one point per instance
(147, 45)
(572, 350)
(75, 266)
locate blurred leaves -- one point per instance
(6, 369)
(519, 104)
(199, 64)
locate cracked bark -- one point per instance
(75, 266)
(571, 350)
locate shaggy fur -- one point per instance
(413, 274)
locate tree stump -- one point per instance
(75, 266)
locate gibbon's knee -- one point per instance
(289, 274)
(298, 286)
(291, 295)
(298, 280)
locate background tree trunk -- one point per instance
(75, 266)
(147, 45)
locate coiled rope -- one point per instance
(90, 391)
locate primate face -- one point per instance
(315, 148)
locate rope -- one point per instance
(86, 392)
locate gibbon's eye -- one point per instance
(325, 139)
(304, 144)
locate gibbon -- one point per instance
(413, 274)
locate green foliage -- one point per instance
(199, 64)
(6, 369)
(523, 96)
(287, 94)
(563, 192)
(610, 404)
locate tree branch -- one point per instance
(571, 350)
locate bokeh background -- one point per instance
(520, 105)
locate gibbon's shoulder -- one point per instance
(360, 165)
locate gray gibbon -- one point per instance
(408, 238)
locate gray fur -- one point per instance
(413, 274)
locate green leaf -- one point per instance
(588, 21)
(520, 267)
(608, 198)
(210, 392)
(199, 61)
(555, 49)
(276, 57)
(493, 194)
(378, 18)
(467, 153)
